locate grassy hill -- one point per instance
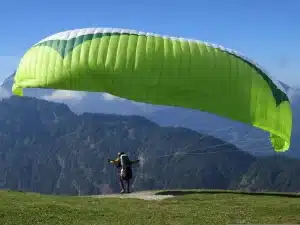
(193, 207)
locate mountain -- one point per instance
(47, 148)
(242, 135)
(272, 173)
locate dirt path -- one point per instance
(145, 195)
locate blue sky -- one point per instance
(265, 30)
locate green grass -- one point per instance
(202, 207)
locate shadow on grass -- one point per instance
(189, 192)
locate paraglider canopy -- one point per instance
(159, 70)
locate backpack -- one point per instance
(125, 162)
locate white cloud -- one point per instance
(4, 93)
(293, 94)
(64, 95)
(109, 97)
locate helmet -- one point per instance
(120, 153)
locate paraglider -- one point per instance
(159, 70)
(124, 163)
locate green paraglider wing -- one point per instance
(159, 70)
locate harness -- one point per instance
(125, 161)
